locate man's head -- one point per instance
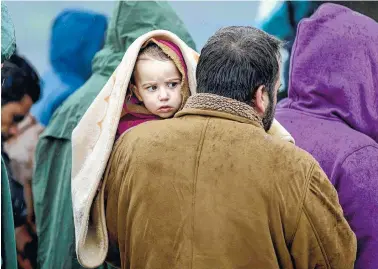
(157, 82)
(20, 89)
(242, 63)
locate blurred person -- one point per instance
(76, 36)
(52, 176)
(20, 147)
(332, 112)
(8, 242)
(20, 89)
(20, 153)
(83, 35)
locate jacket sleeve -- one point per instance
(323, 237)
(357, 185)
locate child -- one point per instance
(152, 82)
(158, 87)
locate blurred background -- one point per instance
(33, 20)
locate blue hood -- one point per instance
(75, 39)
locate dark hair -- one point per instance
(34, 84)
(236, 60)
(18, 79)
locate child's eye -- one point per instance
(152, 88)
(172, 85)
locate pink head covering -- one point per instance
(175, 49)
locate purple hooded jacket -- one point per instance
(332, 112)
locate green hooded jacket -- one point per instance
(8, 38)
(8, 242)
(52, 176)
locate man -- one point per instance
(20, 146)
(52, 176)
(332, 112)
(20, 89)
(211, 189)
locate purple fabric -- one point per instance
(132, 119)
(332, 112)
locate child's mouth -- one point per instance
(165, 109)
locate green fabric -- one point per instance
(8, 38)
(52, 178)
(8, 241)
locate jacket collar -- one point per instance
(207, 104)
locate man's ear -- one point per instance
(261, 100)
(133, 88)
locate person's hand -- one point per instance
(26, 246)
(22, 238)
(28, 196)
(30, 219)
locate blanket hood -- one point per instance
(130, 20)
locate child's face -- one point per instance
(158, 84)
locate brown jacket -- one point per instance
(210, 189)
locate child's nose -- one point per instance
(163, 95)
